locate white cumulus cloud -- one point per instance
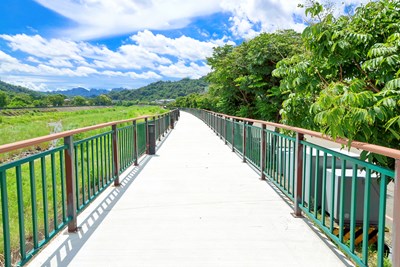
(181, 70)
(183, 47)
(99, 18)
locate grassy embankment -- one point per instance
(36, 123)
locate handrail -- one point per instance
(34, 141)
(385, 151)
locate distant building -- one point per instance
(164, 101)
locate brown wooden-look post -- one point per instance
(115, 154)
(221, 127)
(396, 216)
(70, 183)
(164, 125)
(146, 121)
(217, 125)
(263, 151)
(244, 141)
(225, 130)
(171, 122)
(135, 143)
(298, 175)
(233, 135)
(159, 127)
(212, 121)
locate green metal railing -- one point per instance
(343, 195)
(43, 193)
(94, 166)
(37, 214)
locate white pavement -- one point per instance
(193, 204)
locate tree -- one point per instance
(349, 75)
(56, 100)
(41, 102)
(242, 78)
(20, 100)
(102, 100)
(79, 101)
(3, 99)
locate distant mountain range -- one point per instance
(152, 92)
(80, 91)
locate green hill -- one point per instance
(13, 90)
(162, 90)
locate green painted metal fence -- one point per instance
(41, 194)
(343, 195)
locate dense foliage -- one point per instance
(341, 77)
(242, 78)
(349, 76)
(241, 81)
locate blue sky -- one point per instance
(61, 44)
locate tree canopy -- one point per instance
(241, 77)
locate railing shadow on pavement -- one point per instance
(346, 262)
(73, 242)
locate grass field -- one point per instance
(34, 123)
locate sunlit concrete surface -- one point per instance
(193, 204)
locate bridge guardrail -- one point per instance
(43, 193)
(345, 196)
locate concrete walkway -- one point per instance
(192, 204)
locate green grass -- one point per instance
(34, 124)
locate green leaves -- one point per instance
(243, 74)
(393, 84)
(314, 10)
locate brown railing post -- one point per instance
(225, 131)
(221, 127)
(263, 152)
(146, 121)
(218, 124)
(244, 141)
(115, 154)
(163, 125)
(135, 143)
(152, 139)
(213, 121)
(298, 175)
(233, 135)
(158, 125)
(171, 122)
(396, 216)
(70, 183)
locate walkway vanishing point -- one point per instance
(194, 203)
